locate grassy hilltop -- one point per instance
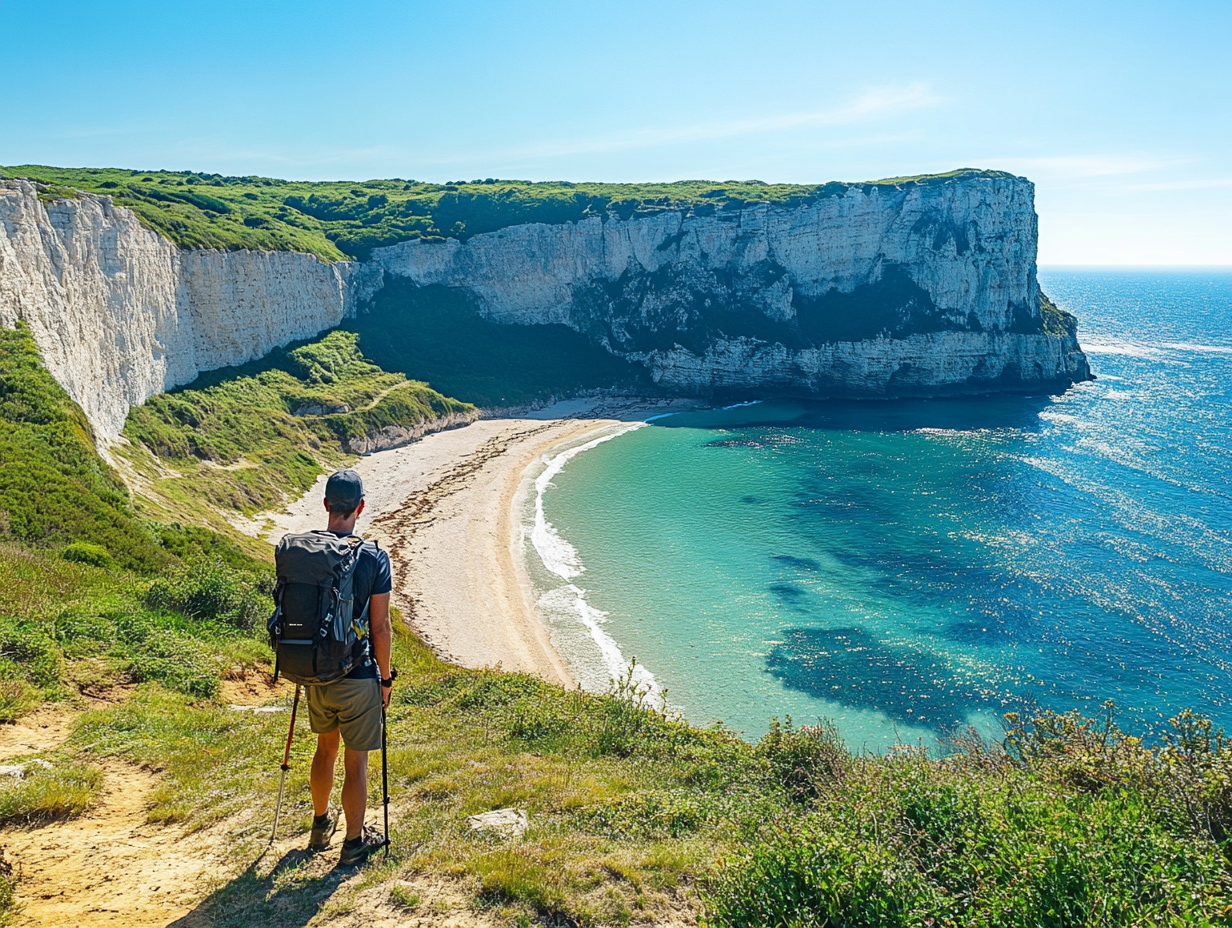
(636, 817)
(337, 220)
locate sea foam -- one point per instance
(562, 559)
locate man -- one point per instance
(351, 708)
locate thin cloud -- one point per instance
(875, 103)
(1179, 185)
(1082, 165)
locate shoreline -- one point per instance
(447, 507)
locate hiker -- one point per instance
(339, 648)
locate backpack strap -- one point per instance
(344, 592)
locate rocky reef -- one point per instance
(922, 287)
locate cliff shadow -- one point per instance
(437, 334)
(1015, 411)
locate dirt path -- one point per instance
(107, 867)
(110, 868)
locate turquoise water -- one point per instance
(903, 568)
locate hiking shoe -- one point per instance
(356, 851)
(323, 827)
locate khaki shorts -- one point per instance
(354, 706)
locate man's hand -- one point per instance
(386, 691)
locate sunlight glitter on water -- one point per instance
(904, 568)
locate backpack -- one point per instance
(315, 637)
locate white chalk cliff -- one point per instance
(120, 313)
(875, 290)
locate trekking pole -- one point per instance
(286, 763)
(384, 776)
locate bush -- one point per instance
(193, 542)
(803, 761)
(82, 552)
(212, 591)
(1076, 824)
(175, 659)
(28, 654)
(914, 848)
(1190, 772)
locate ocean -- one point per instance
(908, 568)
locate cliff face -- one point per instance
(120, 314)
(924, 287)
(880, 290)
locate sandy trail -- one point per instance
(107, 867)
(446, 508)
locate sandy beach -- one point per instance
(447, 509)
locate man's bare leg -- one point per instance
(355, 791)
(321, 779)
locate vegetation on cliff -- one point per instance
(336, 220)
(1055, 320)
(54, 488)
(245, 438)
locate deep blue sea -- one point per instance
(905, 568)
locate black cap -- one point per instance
(344, 490)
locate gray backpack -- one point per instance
(315, 636)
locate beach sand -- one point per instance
(447, 510)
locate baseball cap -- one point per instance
(344, 489)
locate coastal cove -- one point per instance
(906, 568)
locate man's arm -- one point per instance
(382, 637)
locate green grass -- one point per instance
(347, 219)
(67, 627)
(973, 842)
(52, 786)
(55, 490)
(634, 814)
(232, 438)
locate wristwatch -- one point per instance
(393, 675)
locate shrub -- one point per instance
(27, 653)
(803, 761)
(911, 846)
(1190, 772)
(82, 552)
(193, 542)
(212, 591)
(177, 660)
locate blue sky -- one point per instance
(1120, 112)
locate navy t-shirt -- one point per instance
(372, 577)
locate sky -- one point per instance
(1120, 112)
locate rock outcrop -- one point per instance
(923, 287)
(395, 436)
